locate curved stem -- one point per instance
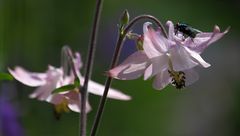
(152, 18)
(121, 39)
(89, 65)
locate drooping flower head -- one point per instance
(54, 78)
(170, 59)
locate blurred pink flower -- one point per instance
(54, 78)
(170, 59)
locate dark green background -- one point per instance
(32, 33)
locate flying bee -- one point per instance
(186, 30)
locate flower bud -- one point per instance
(124, 18)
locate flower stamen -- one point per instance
(61, 107)
(178, 78)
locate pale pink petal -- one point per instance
(149, 72)
(191, 77)
(218, 34)
(56, 99)
(161, 80)
(159, 41)
(172, 35)
(148, 47)
(75, 106)
(171, 31)
(153, 44)
(132, 68)
(28, 78)
(53, 77)
(74, 102)
(200, 39)
(181, 59)
(98, 89)
(65, 81)
(203, 40)
(158, 63)
(42, 93)
(146, 27)
(74, 95)
(197, 58)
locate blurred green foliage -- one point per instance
(32, 33)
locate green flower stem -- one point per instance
(121, 39)
(88, 68)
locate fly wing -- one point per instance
(196, 31)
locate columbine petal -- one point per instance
(132, 68)
(52, 79)
(154, 42)
(74, 102)
(158, 41)
(181, 59)
(197, 58)
(43, 92)
(218, 34)
(56, 99)
(28, 78)
(148, 46)
(203, 40)
(161, 80)
(74, 106)
(158, 63)
(98, 89)
(171, 33)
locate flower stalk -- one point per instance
(121, 38)
(88, 68)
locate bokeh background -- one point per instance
(32, 33)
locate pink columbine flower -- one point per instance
(54, 78)
(170, 60)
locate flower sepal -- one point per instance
(69, 87)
